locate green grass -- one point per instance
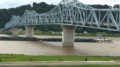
(59, 34)
(14, 58)
(71, 66)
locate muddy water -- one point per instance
(35, 48)
(55, 48)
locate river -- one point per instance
(55, 48)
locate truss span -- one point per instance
(72, 13)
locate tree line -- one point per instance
(6, 14)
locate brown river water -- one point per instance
(55, 48)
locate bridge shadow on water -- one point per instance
(56, 48)
(45, 44)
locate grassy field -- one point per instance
(13, 58)
(71, 66)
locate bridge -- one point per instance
(68, 14)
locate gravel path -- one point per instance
(59, 63)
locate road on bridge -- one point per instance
(59, 63)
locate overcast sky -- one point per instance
(15, 3)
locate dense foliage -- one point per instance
(5, 16)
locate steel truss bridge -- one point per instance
(71, 13)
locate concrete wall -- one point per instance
(68, 36)
(29, 31)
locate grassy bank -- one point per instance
(60, 33)
(71, 66)
(20, 38)
(13, 58)
(77, 34)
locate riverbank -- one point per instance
(61, 64)
(44, 39)
(23, 58)
(71, 66)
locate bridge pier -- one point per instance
(68, 36)
(14, 31)
(29, 31)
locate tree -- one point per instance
(6, 14)
(116, 6)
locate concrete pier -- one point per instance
(29, 31)
(14, 31)
(68, 36)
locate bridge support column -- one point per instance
(68, 36)
(29, 31)
(14, 31)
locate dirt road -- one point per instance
(59, 63)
